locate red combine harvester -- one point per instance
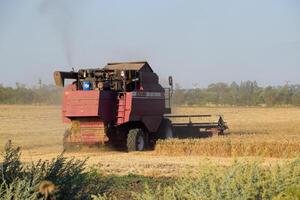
(124, 104)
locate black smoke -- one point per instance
(59, 15)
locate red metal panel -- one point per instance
(128, 107)
(124, 108)
(81, 103)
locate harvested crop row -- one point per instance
(229, 147)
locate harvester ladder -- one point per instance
(121, 109)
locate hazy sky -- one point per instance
(198, 42)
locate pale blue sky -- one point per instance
(195, 41)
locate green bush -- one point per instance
(15, 182)
(239, 181)
(19, 189)
(292, 193)
(69, 176)
(20, 181)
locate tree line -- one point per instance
(20, 94)
(247, 93)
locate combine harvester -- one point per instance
(124, 104)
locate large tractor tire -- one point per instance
(136, 140)
(165, 130)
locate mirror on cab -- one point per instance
(171, 84)
(171, 81)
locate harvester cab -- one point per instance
(122, 104)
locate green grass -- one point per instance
(122, 187)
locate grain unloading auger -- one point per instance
(124, 104)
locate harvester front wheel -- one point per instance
(136, 140)
(165, 130)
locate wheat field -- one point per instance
(34, 128)
(38, 130)
(267, 132)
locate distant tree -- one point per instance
(247, 89)
(257, 97)
(178, 96)
(270, 95)
(234, 92)
(248, 93)
(48, 94)
(296, 99)
(284, 95)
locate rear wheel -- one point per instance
(165, 130)
(136, 140)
